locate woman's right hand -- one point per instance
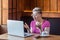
(26, 26)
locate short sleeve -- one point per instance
(47, 24)
(32, 26)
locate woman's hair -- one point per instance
(37, 10)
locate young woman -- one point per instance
(38, 25)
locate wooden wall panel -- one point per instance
(59, 6)
(10, 11)
(27, 4)
(40, 4)
(10, 15)
(5, 11)
(5, 4)
(20, 5)
(14, 15)
(46, 5)
(0, 16)
(0, 5)
(14, 8)
(19, 15)
(45, 14)
(32, 4)
(0, 11)
(10, 4)
(53, 6)
(51, 15)
(54, 15)
(20, 8)
(5, 16)
(14, 4)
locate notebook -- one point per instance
(16, 28)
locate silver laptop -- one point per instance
(16, 28)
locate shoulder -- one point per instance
(32, 21)
(46, 21)
(32, 24)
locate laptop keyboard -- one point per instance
(27, 34)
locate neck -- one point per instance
(41, 20)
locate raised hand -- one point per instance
(26, 26)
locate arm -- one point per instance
(47, 28)
(31, 29)
(27, 27)
(32, 26)
(46, 31)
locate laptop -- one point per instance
(16, 28)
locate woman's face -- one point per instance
(37, 16)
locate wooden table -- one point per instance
(9, 37)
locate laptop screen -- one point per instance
(15, 27)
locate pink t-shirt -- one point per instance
(44, 24)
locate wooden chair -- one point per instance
(3, 29)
